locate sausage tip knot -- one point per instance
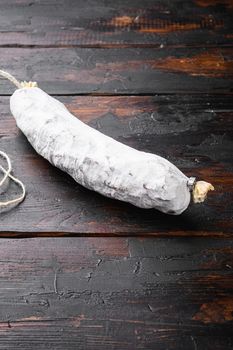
(28, 84)
(200, 191)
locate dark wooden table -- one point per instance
(94, 273)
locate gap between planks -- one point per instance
(178, 234)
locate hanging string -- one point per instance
(7, 174)
(11, 78)
(18, 84)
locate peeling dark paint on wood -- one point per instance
(217, 311)
(206, 3)
(172, 297)
(117, 71)
(122, 24)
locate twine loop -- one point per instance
(7, 174)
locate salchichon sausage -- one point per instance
(98, 162)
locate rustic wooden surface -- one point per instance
(156, 75)
(116, 293)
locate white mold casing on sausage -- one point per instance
(96, 161)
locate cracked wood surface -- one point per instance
(156, 75)
(116, 293)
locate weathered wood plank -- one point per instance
(107, 24)
(117, 71)
(116, 293)
(194, 132)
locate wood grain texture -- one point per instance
(120, 71)
(100, 23)
(195, 133)
(162, 74)
(117, 293)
